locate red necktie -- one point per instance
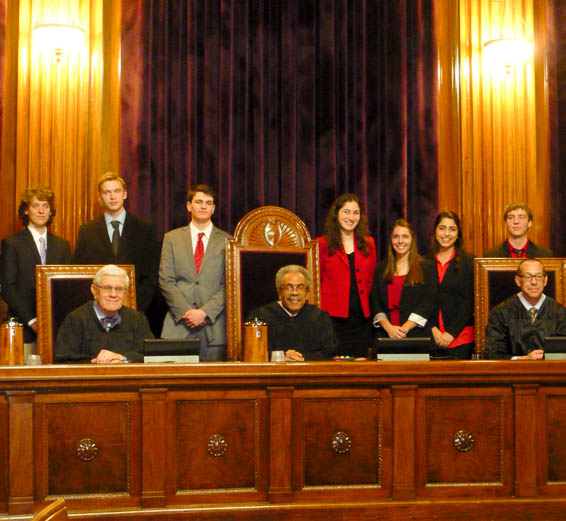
(199, 251)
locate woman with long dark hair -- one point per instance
(452, 319)
(403, 287)
(347, 264)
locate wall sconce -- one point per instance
(58, 38)
(508, 52)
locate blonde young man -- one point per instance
(119, 237)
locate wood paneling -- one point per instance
(60, 128)
(493, 124)
(325, 440)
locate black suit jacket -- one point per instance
(533, 251)
(418, 298)
(455, 297)
(17, 273)
(138, 246)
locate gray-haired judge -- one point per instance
(302, 330)
(104, 330)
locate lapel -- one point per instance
(188, 245)
(30, 245)
(52, 249)
(209, 252)
(343, 257)
(102, 234)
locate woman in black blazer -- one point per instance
(403, 288)
(452, 320)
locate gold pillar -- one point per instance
(62, 132)
(493, 124)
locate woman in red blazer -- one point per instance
(347, 265)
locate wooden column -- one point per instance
(20, 458)
(60, 126)
(280, 438)
(493, 124)
(526, 443)
(404, 455)
(153, 447)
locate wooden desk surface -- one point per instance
(326, 440)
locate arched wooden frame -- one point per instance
(494, 280)
(72, 283)
(265, 239)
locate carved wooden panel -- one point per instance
(552, 449)
(87, 448)
(219, 445)
(464, 442)
(340, 443)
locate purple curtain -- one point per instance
(284, 103)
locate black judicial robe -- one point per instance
(309, 332)
(509, 331)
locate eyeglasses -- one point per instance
(110, 289)
(298, 287)
(530, 276)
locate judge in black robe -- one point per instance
(309, 331)
(510, 333)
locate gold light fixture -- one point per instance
(58, 38)
(507, 50)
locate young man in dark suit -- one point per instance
(23, 251)
(118, 237)
(518, 218)
(192, 278)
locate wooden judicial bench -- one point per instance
(479, 440)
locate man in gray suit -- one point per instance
(192, 278)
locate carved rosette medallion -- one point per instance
(217, 445)
(341, 442)
(86, 449)
(463, 441)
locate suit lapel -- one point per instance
(52, 248)
(188, 245)
(210, 248)
(343, 257)
(102, 233)
(30, 245)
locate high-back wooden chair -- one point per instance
(56, 511)
(494, 280)
(60, 290)
(265, 240)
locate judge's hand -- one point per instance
(441, 339)
(194, 318)
(35, 327)
(537, 354)
(293, 356)
(107, 357)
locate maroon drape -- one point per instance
(286, 103)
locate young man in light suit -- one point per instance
(192, 278)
